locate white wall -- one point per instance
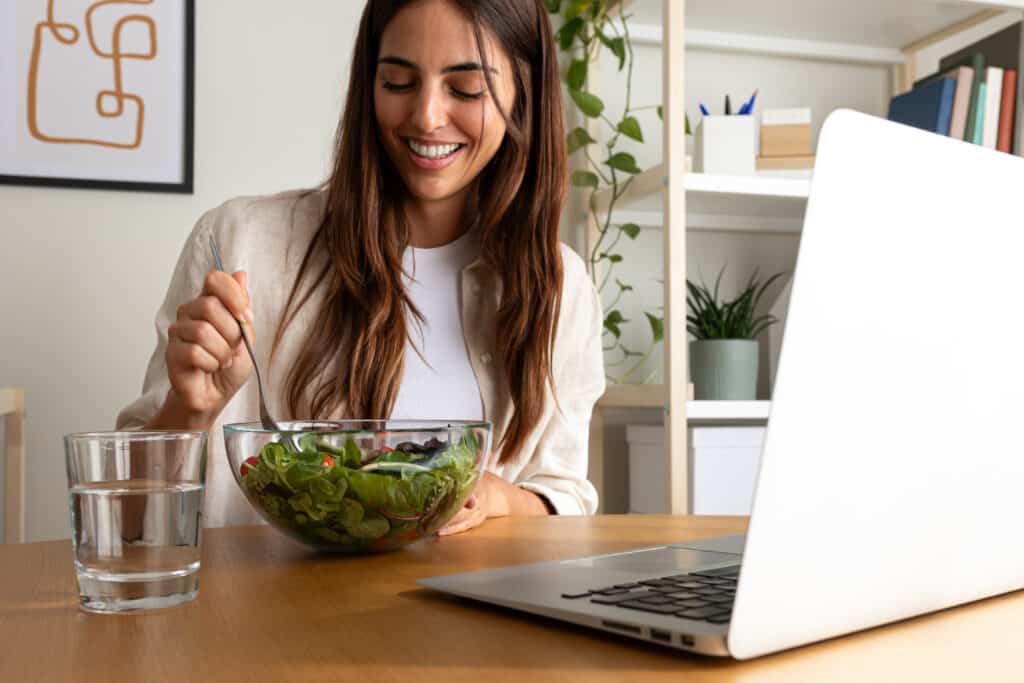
(83, 272)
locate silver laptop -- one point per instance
(892, 475)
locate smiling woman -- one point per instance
(423, 279)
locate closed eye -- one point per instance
(397, 87)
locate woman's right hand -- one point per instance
(206, 357)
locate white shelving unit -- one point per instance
(889, 33)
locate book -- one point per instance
(978, 67)
(1003, 49)
(993, 103)
(929, 107)
(964, 76)
(979, 114)
(1004, 142)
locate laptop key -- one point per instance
(573, 596)
(690, 584)
(702, 612)
(664, 589)
(697, 602)
(644, 607)
(719, 618)
(680, 577)
(656, 583)
(656, 600)
(683, 595)
(720, 599)
(616, 599)
(627, 585)
(707, 591)
(609, 591)
(708, 581)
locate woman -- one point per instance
(424, 279)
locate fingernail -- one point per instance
(249, 315)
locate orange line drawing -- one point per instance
(115, 55)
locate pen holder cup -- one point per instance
(725, 144)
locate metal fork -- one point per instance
(265, 419)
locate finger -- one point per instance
(471, 502)
(455, 521)
(230, 292)
(182, 355)
(204, 334)
(212, 310)
(242, 278)
(473, 520)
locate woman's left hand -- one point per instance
(484, 502)
(494, 497)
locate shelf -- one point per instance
(717, 202)
(860, 31)
(700, 412)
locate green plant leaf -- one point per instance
(567, 34)
(615, 258)
(623, 161)
(661, 113)
(577, 138)
(576, 75)
(590, 105)
(631, 230)
(576, 8)
(630, 127)
(686, 117)
(657, 327)
(623, 286)
(584, 179)
(616, 45)
(554, 6)
(612, 321)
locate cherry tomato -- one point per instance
(249, 463)
(328, 461)
(387, 449)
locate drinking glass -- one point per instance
(135, 501)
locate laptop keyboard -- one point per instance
(704, 596)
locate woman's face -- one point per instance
(438, 121)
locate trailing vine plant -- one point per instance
(588, 28)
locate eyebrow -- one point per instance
(464, 66)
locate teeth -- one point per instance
(432, 151)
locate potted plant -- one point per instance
(724, 349)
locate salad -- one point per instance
(344, 497)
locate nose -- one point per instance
(430, 113)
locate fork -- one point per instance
(265, 419)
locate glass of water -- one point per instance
(135, 502)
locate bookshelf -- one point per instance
(882, 33)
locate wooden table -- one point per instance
(268, 609)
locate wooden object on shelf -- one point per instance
(12, 412)
(790, 140)
(795, 163)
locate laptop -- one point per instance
(892, 470)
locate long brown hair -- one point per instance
(352, 357)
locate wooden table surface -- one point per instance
(269, 609)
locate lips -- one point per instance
(432, 156)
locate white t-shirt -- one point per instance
(439, 383)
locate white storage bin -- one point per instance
(646, 469)
(723, 469)
(725, 144)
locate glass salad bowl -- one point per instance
(358, 485)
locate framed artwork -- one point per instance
(97, 93)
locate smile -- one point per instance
(433, 152)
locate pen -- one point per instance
(728, 106)
(748, 108)
(704, 110)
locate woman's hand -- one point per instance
(494, 497)
(206, 359)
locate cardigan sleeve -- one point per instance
(558, 469)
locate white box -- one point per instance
(723, 469)
(725, 144)
(646, 469)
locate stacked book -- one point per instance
(973, 97)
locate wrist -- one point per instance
(176, 414)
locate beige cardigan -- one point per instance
(267, 237)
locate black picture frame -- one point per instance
(185, 186)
